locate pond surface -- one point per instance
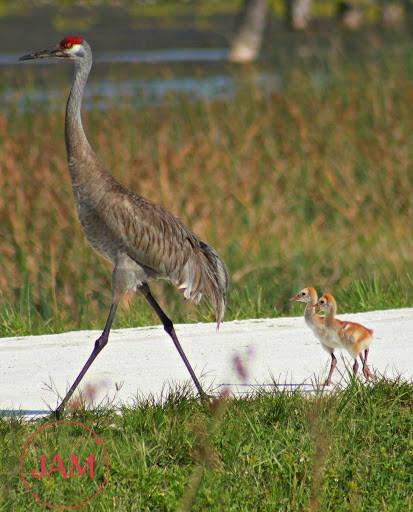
(132, 70)
(146, 57)
(102, 93)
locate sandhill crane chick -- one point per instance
(316, 323)
(354, 337)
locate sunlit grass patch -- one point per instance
(277, 450)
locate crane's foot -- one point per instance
(57, 413)
(205, 398)
(367, 373)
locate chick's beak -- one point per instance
(44, 54)
(295, 298)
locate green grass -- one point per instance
(345, 451)
(361, 295)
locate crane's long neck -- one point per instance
(309, 313)
(84, 165)
(330, 317)
(74, 134)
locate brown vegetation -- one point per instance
(311, 184)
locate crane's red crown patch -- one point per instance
(69, 41)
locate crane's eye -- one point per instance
(302, 294)
(65, 44)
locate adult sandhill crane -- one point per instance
(316, 323)
(141, 239)
(355, 338)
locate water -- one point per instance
(170, 55)
(216, 81)
(167, 56)
(104, 93)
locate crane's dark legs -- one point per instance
(99, 344)
(332, 367)
(366, 372)
(169, 328)
(103, 339)
(355, 367)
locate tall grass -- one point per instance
(312, 184)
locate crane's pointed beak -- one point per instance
(44, 54)
(295, 298)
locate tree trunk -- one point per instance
(350, 15)
(392, 14)
(298, 13)
(248, 38)
(408, 14)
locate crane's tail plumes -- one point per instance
(216, 280)
(206, 274)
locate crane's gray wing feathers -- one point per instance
(157, 240)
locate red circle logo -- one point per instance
(64, 465)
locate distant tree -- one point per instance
(247, 41)
(392, 13)
(350, 14)
(408, 12)
(298, 13)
